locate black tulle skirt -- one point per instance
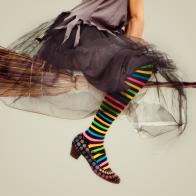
(40, 74)
(104, 60)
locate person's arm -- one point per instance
(136, 24)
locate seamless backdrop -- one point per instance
(34, 149)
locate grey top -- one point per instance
(107, 15)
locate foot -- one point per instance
(95, 155)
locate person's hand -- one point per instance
(128, 34)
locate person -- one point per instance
(103, 41)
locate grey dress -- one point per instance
(89, 38)
(108, 15)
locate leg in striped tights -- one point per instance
(112, 105)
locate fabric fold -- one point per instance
(69, 22)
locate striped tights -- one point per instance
(112, 105)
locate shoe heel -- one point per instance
(74, 152)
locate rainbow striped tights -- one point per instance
(112, 105)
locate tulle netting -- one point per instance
(35, 85)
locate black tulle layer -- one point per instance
(105, 61)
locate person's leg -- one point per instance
(112, 105)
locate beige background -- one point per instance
(34, 149)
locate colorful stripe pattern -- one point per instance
(112, 105)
